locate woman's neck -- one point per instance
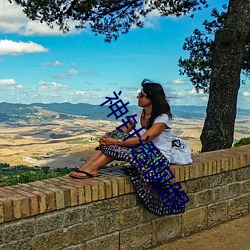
(147, 111)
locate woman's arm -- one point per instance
(129, 126)
(152, 133)
(106, 141)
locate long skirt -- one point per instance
(153, 185)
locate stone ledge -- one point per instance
(39, 197)
(214, 162)
(25, 200)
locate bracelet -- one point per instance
(119, 142)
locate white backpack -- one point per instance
(180, 152)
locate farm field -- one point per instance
(69, 142)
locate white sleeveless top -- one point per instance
(164, 140)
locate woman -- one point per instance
(156, 117)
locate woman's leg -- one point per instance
(98, 160)
(92, 159)
(102, 160)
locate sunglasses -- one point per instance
(140, 94)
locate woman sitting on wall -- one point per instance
(155, 116)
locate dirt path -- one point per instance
(233, 235)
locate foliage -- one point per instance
(23, 174)
(108, 17)
(242, 142)
(198, 66)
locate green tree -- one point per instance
(243, 141)
(112, 18)
(227, 59)
(108, 17)
(199, 68)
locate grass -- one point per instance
(23, 174)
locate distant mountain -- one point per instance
(189, 111)
(3, 117)
(244, 112)
(94, 112)
(199, 111)
(48, 112)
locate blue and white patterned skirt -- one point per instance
(142, 176)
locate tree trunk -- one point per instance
(227, 56)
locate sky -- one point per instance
(38, 64)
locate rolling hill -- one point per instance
(12, 113)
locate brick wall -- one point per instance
(105, 213)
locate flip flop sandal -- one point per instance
(87, 175)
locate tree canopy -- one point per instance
(228, 58)
(198, 67)
(108, 17)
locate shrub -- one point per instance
(242, 142)
(21, 174)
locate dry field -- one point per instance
(75, 140)
(32, 145)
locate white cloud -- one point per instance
(73, 72)
(101, 89)
(39, 29)
(92, 95)
(51, 86)
(178, 81)
(19, 86)
(186, 97)
(152, 19)
(55, 63)
(153, 14)
(80, 92)
(15, 48)
(7, 82)
(180, 93)
(194, 92)
(11, 17)
(246, 93)
(10, 84)
(13, 20)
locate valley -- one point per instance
(42, 137)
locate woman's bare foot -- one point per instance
(83, 173)
(90, 168)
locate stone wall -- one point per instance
(105, 213)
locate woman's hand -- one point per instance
(102, 140)
(107, 141)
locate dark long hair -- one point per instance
(155, 93)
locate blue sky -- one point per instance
(38, 64)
